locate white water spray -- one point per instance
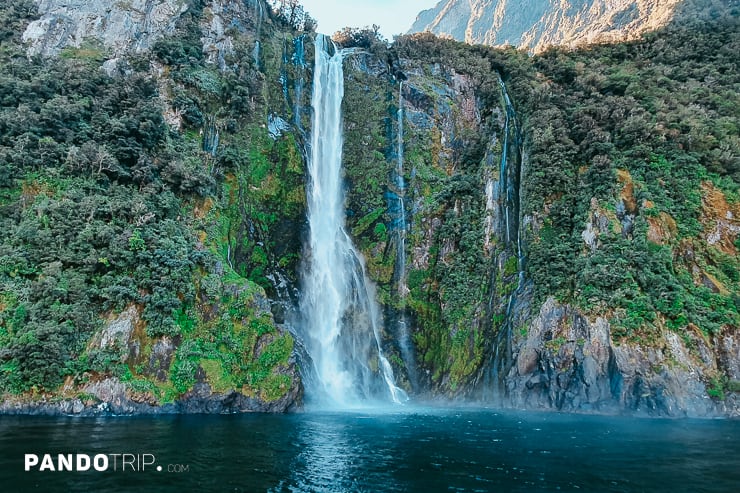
(342, 322)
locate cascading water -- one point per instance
(403, 336)
(508, 196)
(401, 191)
(341, 319)
(210, 137)
(512, 183)
(299, 61)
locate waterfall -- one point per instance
(341, 318)
(401, 192)
(210, 137)
(508, 193)
(299, 61)
(403, 337)
(490, 221)
(513, 179)
(256, 53)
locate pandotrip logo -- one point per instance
(98, 463)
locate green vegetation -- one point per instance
(89, 218)
(172, 197)
(236, 347)
(649, 127)
(639, 139)
(104, 206)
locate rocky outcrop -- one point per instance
(132, 26)
(117, 333)
(124, 339)
(721, 218)
(467, 302)
(224, 17)
(111, 397)
(119, 26)
(568, 363)
(536, 24)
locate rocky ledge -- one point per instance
(111, 397)
(566, 362)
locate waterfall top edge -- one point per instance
(332, 48)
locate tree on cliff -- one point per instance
(293, 13)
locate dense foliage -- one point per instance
(642, 134)
(631, 169)
(176, 187)
(104, 205)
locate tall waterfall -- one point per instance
(508, 194)
(342, 322)
(401, 192)
(403, 336)
(511, 182)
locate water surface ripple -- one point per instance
(417, 450)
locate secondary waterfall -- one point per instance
(508, 195)
(401, 227)
(342, 321)
(401, 191)
(511, 180)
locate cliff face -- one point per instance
(552, 232)
(566, 362)
(119, 26)
(536, 24)
(161, 305)
(539, 270)
(129, 27)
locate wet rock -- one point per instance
(589, 237)
(371, 65)
(728, 349)
(112, 397)
(276, 126)
(566, 362)
(160, 360)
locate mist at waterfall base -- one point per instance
(411, 450)
(341, 322)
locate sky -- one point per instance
(393, 16)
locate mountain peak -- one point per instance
(537, 24)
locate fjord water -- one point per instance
(341, 326)
(417, 450)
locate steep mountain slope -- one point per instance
(557, 231)
(579, 250)
(536, 24)
(124, 287)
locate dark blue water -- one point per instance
(423, 451)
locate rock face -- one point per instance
(118, 331)
(568, 363)
(465, 300)
(536, 24)
(112, 397)
(132, 26)
(120, 26)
